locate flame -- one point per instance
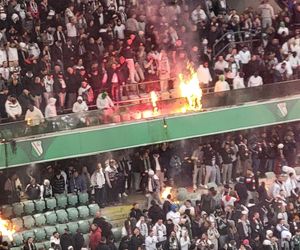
(190, 89)
(166, 192)
(7, 229)
(154, 99)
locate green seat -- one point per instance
(50, 203)
(86, 239)
(72, 226)
(60, 228)
(40, 234)
(40, 220)
(90, 221)
(16, 248)
(49, 231)
(40, 206)
(62, 216)
(47, 244)
(7, 211)
(83, 212)
(72, 213)
(28, 221)
(18, 209)
(94, 208)
(28, 207)
(51, 218)
(117, 232)
(40, 245)
(18, 239)
(62, 200)
(27, 234)
(72, 200)
(83, 198)
(18, 224)
(84, 226)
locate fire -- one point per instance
(7, 229)
(190, 89)
(166, 192)
(154, 99)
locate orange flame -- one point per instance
(166, 192)
(154, 99)
(190, 89)
(7, 229)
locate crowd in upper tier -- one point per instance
(69, 55)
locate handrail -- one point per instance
(239, 33)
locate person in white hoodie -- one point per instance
(80, 105)
(151, 241)
(50, 110)
(34, 116)
(238, 81)
(13, 108)
(104, 102)
(203, 74)
(221, 85)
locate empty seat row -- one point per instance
(54, 217)
(38, 206)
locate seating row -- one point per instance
(30, 207)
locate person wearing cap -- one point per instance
(153, 188)
(80, 105)
(173, 215)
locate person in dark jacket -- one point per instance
(58, 183)
(103, 224)
(29, 245)
(155, 212)
(78, 240)
(66, 240)
(73, 84)
(77, 183)
(137, 240)
(135, 212)
(103, 244)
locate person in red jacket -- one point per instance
(95, 236)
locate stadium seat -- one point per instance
(49, 231)
(18, 209)
(83, 198)
(90, 221)
(28, 207)
(18, 239)
(60, 228)
(83, 212)
(72, 213)
(84, 226)
(18, 224)
(47, 244)
(86, 239)
(27, 234)
(72, 226)
(40, 220)
(72, 200)
(40, 245)
(62, 216)
(40, 205)
(7, 211)
(28, 221)
(50, 203)
(51, 218)
(40, 234)
(94, 208)
(62, 200)
(16, 248)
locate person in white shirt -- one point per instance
(238, 81)
(119, 30)
(34, 116)
(245, 57)
(142, 225)
(98, 183)
(198, 15)
(282, 30)
(294, 62)
(221, 64)
(185, 241)
(160, 231)
(13, 108)
(267, 13)
(221, 85)
(255, 80)
(55, 239)
(284, 68)
(203, 74)
(72, 30)
(173, 215)
(104, 102)
(80, 105)
(151, 241)
(187, 206)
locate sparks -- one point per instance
(7, 229)
(166, 192)
(154, 99)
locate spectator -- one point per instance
(50, 110)
(221, 85)
(46, 189)
(33, 190)
(13, 108)
(66, 240)
(33, 117)
(29, 245)
(58, 183)
(77, 183)
(98, 182)
(95, 236)
(104, 102)
(255, 80)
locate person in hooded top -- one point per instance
(221, 85)
(13, 108)
(50, 110)
(104, 101)
(80, 105)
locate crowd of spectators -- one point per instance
(235, 161)
(74, 54)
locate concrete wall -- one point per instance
(240, 5)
